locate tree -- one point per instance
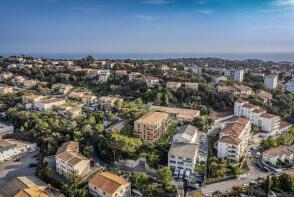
(165, 175)
(287, 182)
(267, 185)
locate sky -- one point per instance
(146, 26)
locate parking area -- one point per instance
(23, 165)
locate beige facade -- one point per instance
(5, 90)
(151, 126)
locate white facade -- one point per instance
(267, 122)
(45, 105)
(6, 129)
(152, 81)
(271, 81)
(289, 86)
(282, 153)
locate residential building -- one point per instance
(10, 148)
(135, 75)
(62, 88)
(5, 129)
(271, 81)
(18, 80)
(44, 105)
(121, 72)
(289, 86)
(184, 151)
(281, 153)
(5, 90)
(109, 101)
(151, 126)
(71, 112)
(228, 89)
(233, 139)
(242, 89)
(5, 75)
(152, 81)
(69, 160)
(265, 96)
(25, 186)
(237, 75)
(173, 85)
(106, 184)
(29, 99)
(29, 83)
(191, 85)
(185, 115)
(218, 79)
(89, 98)
(104, 75)
(259, 117)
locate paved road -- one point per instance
(10, 169)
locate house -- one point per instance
(18, 80)
(190, 85)
(29, 99)
(5, 75)
(29, 83)
(218, 79)
(71, 112)
(289, 86)
(242, 89)
(89, 98)
(184, 151)
(267, 122)
(121, 72)
(5, 90)
(69, 160)
(62, 88)
(185, 115)
(264, 95)
(46, 104)
(5, 129)
(228, 89)
(233, 139)
(106, 184)
(173, 85)
(135, 76)
(109, 101)
(25, 186)
(152, 81)
(281, 153)
(271, 81)
(151, 126)
(103, 75)
(10, 148)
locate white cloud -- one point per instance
(205, 11)
(146, 17)
(156, 2)
(284, 2)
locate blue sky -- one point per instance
(146, 26)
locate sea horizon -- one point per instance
(275, 57)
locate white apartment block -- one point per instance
(152, 81)
(281, 153)
(10, 148)
(259, 117)
(69, 160)
(271, 81)
(233, 139)
(184, 149)
(289, 86)
(235, 74)
(44, 105)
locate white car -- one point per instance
(257, 155)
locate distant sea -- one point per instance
(155, 56)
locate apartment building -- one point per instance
(10, 148)
(259, 117)
(135, 75)
(121, 72)
(217, 79)
(69, 160)
(106, 184)
(185, 115)
(184, 149)
(152, 81)
(281, 153)
(233, 139)
(44, 105)
(103, 75)
(242, 89)
(289, 86)
(5, 90)
(271, 81)
(173, 85)
(151, 126)
(237, 75)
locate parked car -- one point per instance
(181, 174)
(176, 173)
(187, 174)
(32, 165)
(257, 155)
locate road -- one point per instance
(10, 169)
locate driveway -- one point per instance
(10, 169)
